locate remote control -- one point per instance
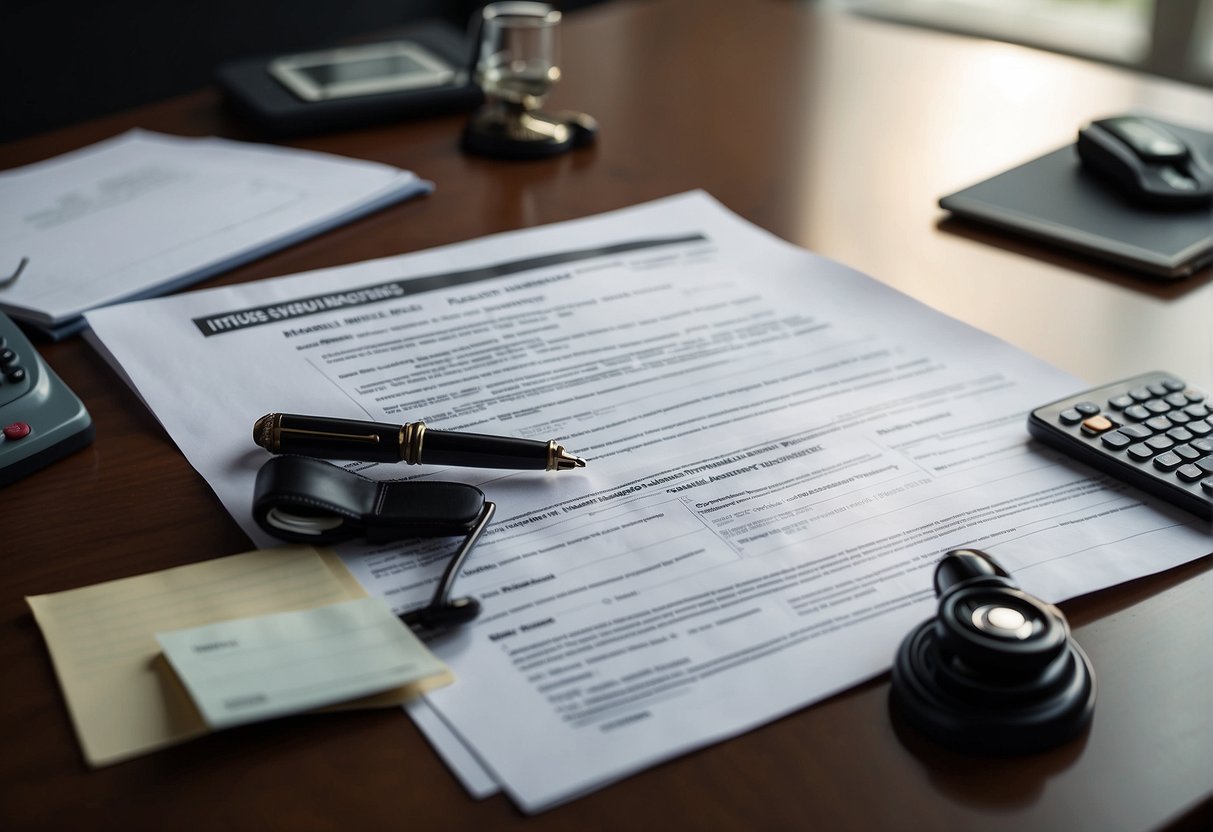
(41, 419)
(1153, 431)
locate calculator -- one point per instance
(41, 419)
(1153, 431)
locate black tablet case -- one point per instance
(1054, 200)
(258, 97)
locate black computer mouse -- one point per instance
(1146, 163)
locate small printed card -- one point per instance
(252, 669)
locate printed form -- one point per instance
(143, 214)
(780, 449)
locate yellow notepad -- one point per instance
(123, 698)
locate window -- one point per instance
(1165, 37)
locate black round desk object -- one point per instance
(996, 671)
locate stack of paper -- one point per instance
(144, 214)
(780, 449)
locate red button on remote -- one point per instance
(17, 430)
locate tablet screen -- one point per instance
(361, 70)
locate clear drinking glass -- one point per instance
(518, 60)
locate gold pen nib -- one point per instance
(561, 460)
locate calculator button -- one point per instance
(1090, 408)
(1189, 473)
(1138, 413)
(1200, 428)
(1202, 445)
(1176, 400)
(1116, 440)
(1121, 402)
(1141, 451)
(1137, 431)
(1156, 406)
(1168, 461)
(1159, 423)
(1207, 485)
(1194, 395)
(15, 375)
(1197, 411)
(17, 430)
(1206, 465)
(7, 357)
(1097, 425)
(1140, 394)
(1188, 452)
(1070, 417)
(1161, 443)
(1179, 417)
(1173, 384)
(1180, 434)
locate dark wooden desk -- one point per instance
(836, 133)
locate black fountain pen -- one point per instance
(412, 443)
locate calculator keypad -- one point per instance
(14, 378)
(41, 419)
(1153, 430)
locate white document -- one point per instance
(780, 450)
(250, 669)
(143, 214)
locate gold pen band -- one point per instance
(411, 436)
